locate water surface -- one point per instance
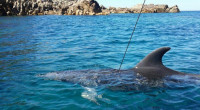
(34, 45)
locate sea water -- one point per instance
(35, 45)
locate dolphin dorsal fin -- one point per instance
(154, 58)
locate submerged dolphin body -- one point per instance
(149, 69)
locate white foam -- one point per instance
(90, 94)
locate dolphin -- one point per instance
(147, 70)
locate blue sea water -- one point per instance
(34, 45)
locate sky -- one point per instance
(184, 5)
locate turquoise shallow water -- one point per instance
(34, 45)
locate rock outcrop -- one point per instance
(173, 9)
(25, 7)
(151, 8)
(48, 7)
(120, 10)
(73, 7)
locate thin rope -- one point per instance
(131, 35)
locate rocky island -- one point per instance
(72, 7)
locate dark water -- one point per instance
(34, 45)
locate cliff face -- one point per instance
(72, 7)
